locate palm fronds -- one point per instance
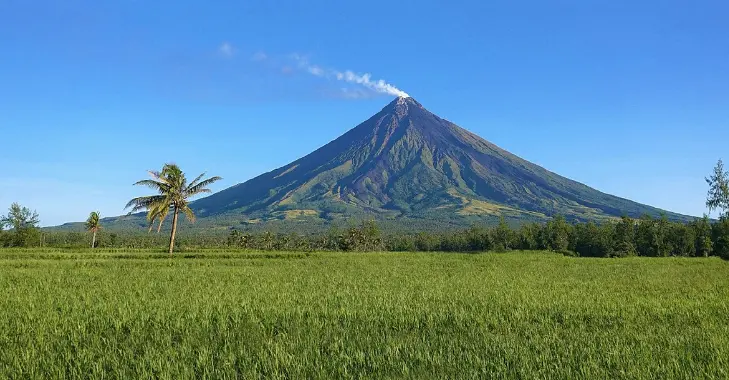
(93, 222)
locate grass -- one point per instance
(86, 314)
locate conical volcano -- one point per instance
(406, 162)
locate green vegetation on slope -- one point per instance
(334, 315)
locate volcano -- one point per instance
(407, 163)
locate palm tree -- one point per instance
(174, 193)
(93, 225)
(157, 213)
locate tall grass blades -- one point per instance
(375, 315)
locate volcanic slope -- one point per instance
(406, 162)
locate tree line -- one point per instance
(646, 236)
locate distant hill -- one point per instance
(407, 164)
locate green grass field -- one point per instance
(375, 315)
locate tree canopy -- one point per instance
(23, 225)
(718, 195)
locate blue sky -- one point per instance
(630, 97)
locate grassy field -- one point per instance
(376, 315)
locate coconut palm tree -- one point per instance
(93, 225)
(157, 213)
(174, 194)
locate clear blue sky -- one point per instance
(630, 97)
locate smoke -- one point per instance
(379, 86)
(365, 79)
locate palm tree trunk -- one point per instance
(174, 230)
(93, 241)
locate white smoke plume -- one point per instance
(365, 80)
